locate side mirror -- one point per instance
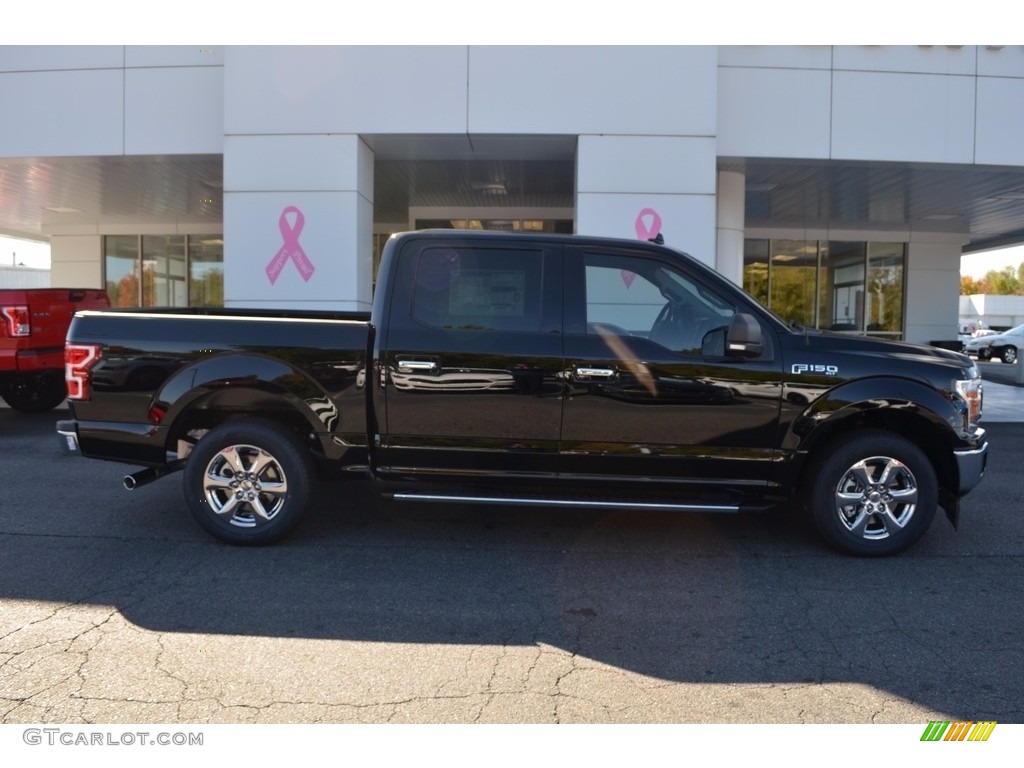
(744, 337)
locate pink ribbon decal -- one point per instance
(291, 248)
(628, 277)
(643, 232)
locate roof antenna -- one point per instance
(657, 239)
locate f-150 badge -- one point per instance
(828, 370)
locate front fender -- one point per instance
(902, 401)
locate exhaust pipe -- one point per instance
(148, 475)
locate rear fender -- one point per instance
(244, 382)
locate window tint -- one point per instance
(478, 289)
(647, 298)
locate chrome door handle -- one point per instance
(416, 366)
(594, 373)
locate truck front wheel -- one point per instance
(248, 482)
(33, 392)
(873, 494)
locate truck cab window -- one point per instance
(646, 298)
(477, 289)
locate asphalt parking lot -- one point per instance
(116, 608)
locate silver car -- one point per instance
(1006, 345)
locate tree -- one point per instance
(969, 286)
(1003, 282)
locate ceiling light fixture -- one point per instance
(490, 187)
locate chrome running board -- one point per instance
(579, 504)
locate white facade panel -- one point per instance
(173, 55)
(170, 111)
(687, 222)
(345, 89)
(77, 274)
(1001, 61)
(1000, 138)
(903, 118)
(656, 164)
(310, 163)
(76, 261)
(649, 90)
(933, 288)
(62, 113)
(774, 112)
(928, 59)
(69, 248)
(729, 234)
(776, 56)
(274, 257)
(36, 58)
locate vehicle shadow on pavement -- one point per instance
(686, 598)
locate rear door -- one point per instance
(652, 397)
(471, 365)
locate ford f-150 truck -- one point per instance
(531, 369)
(33, 324)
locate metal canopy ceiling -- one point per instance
(986, 204)
(39, 196)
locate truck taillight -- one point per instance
(16, 321)
(78, 361)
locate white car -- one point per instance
(1006, 345)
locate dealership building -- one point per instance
(838, 184)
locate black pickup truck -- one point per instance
(531, 369)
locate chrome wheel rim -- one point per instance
(245, 486)
(876, 498)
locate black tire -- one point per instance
(248, 482)
(34, 392)
(1008, 354)
(889, 488)
(985, 353)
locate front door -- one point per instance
(652, 398)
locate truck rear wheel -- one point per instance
(873, 494)
(34, 392)
(247, 482)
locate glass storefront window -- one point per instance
(755, 269)
(121, 266)
(841, 286)
(164, 270)
(885, 288)
(855, 287)
(793, 266)
(206, 271)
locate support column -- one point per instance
(76, 260)
(298, 222)
(933, 285)
(637, 186)
(730, 226)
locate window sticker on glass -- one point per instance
(498, 293)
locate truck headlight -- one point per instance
(969, 392)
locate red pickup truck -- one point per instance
(33, 324)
